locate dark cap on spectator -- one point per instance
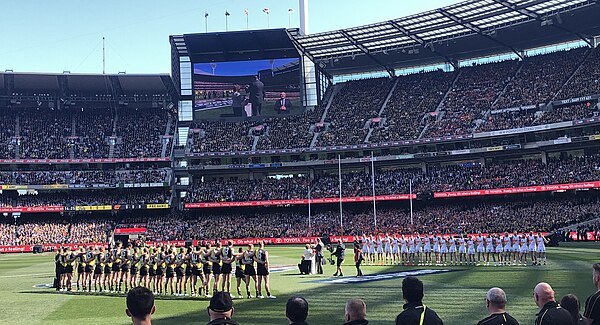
(221, 302)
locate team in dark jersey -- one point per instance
(164, 269)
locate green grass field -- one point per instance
(458, 296)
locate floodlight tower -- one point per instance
(303, 8)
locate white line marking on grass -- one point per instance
(23, 275)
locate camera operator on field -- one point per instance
(339, 253)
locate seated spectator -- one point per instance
(571, 304)
(220, 310)
(495, 302)
(296, 310)
(550, 311)
(592, 304)
(355, 312)
(140, 306)
(414, 310)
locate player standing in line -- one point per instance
(161, 268)
(106, 279)
(419, 249)
(480, 249)
(387, 249)
(179, 271)
(462, 250)
(125, 268)
(187, 272)
(452, 251)
(541, 248)
(436, 250)
(498, 242)
(215, 258)
(227, 258)
(152, 267)
(144, 274)
(427, 250)
(116, 267)
(80, 271)
(404, 250)
(196, 272)
(516, 249)
(262, 269)
(207, 268)
(365, 245)
(90, 261)
(98, 269)
(249, 270)
(134, 270)
(443, 250)
(506, 239)
(239, 270)
(471, 251)
(523, 250)
(532, 249)
(489, 249)
(170, 274)
(379, 247)
(395, 250)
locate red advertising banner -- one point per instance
(81, 161)
(394, 197)
(50, 208)
(517, 190)
(126, 231)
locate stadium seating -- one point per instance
(84, 177)
(513, 173)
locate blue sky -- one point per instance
(57, 35)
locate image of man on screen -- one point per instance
(238, 102)
(283, 105)
(257, 95)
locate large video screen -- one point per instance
(215, 84)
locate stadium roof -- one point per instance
(67, 83)
(466, 30)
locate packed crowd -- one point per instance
(473, 93)
(73, 198)
(540, 77)
(514, 173)
(586, 81)
(352, 107)
(141, 132)
(47, 133)
(35, 231)
(472, 216)
(286, 132)
(221, 136)
(415, 96)
(93, 127)
(110, 177)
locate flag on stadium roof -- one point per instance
(227, 13)
(291, 10)
(246, 12)
(266, 11)
(206, 15)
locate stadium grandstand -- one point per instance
(479, 99)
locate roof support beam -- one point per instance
(367, 53)
(478, 31)
(524, 11)
(421, 42)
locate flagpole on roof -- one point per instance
(266, 11)
(247, 14)
(227, 21)
(290, 12)
(206, 22)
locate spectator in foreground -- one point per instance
(355, 312)
(551, 313)
(571, 304)
(220, 310)
(415, 312)
(495, 302)
(140, 306)
(592, 304)
(296, 310)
